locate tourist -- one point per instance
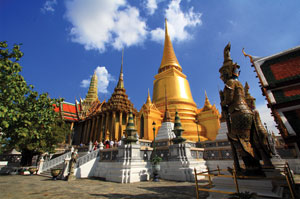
(95, 145)
(111, 143)
(107, 144)
(120, 143)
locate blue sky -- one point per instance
(65, 41)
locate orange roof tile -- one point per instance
(292, 91)
(284, 69)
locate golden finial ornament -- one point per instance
(247, 55)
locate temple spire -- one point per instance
(167, 117)
(207, 105)
(169, 57)
(121, 82)
(148, 98)
(92, 94)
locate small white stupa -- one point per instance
(166, 130)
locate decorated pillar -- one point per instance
(102, 127)
(84, 131)
(120, 125)
(92, 129)
(106, 126)
(112, 131)
(96, 128)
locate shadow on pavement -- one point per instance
(164, 192)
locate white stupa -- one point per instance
(166, 130)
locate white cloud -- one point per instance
(99, 24)
(104, 78)
(49, 6)
(179, 19)
(265, 116)
(128, 28)
(151, 6)
(85, 83)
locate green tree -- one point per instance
(28, 120)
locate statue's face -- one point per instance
(224, 76)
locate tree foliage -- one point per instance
(28, 120)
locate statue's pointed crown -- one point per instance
(228, 66)
(169, 57)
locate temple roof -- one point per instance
(119, 99)
(169, 57)
(67, 110)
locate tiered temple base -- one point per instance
(131, 163)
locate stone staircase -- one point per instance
(58, 163)
(47, 173)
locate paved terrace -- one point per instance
(18, 186)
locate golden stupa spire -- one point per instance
(207, 105)
(92, 94)
(169, 57)
(148, 98)
(121, 82)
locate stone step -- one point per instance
(48, 172)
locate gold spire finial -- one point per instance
(121, 82)
(169, 57)
(207, 105)
(166, 27)
(148, 98)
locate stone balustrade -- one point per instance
(86, 158)
(56, 161)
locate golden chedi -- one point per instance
(170, 82)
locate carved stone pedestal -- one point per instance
(128, 168)
(181, 164)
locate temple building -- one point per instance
(107, 120)
(279, 78)
(197, 123)
(103, 120)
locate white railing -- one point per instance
(56, 161)
(86, 158)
